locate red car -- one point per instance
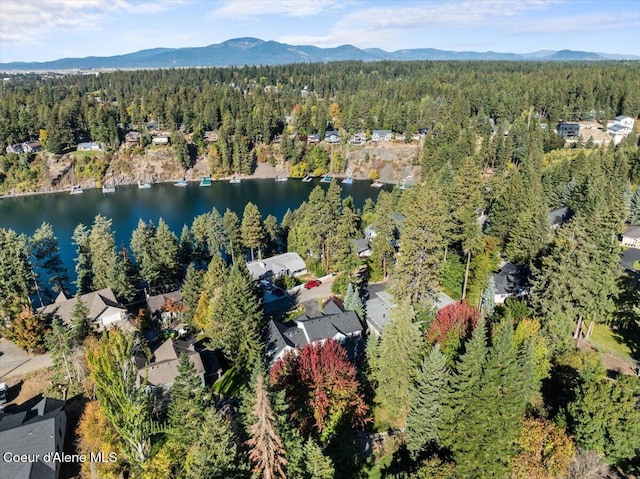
(312, 284)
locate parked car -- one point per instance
(312, 284)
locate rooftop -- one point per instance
(632, 231)
(289, 263)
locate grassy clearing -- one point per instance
(605, 339)
(229, 384)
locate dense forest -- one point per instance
(470, 390)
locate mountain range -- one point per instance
(253, 51)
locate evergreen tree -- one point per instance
(252, 229)
(487, 303)
(272, 235)
(167, 250)
(317, 465)
(231, 224)
(67, 373)
(84, 271)
(16, 276)
(46, 253)
(382, 247)
(191, 289)
(399, 351)
(188, 405)
(419, 262)
(266, 451)
(185, 250)
(427, 392)
(215, 455)
(80, 321)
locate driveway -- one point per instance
(629, 257)
(322, 291)
(15, 362)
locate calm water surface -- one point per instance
(177, 206)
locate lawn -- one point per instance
(229, 384)
(606, 341)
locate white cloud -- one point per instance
(26, 21)
(369, 24)
(584, 23)
(249, 9)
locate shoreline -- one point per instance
(190, 180)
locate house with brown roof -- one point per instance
(104, 309)
(162, 371)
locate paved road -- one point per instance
(629, 257)
(322, 291)
(15, 362)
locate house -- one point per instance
(631, 237)
(38, 433)
(333, 323)
(358, 139)
(510, 281)
(132, 139)
(15, 149)
(379, 311)
(89, 146)
(625, 121)
(160, 139)
(304, 93)
(162, 371)
(618, 132)
(210, 136)
(313, 139)
(104, 309)
(156, 305)
(332, 137)
(32, 146)
(400, 137)
(289, 264)
(381, 135)
(398, 220)
(568, 130)
(362, 247)
(559, 217)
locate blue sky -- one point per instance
(40, 30)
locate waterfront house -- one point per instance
(625, 121)
(210, 136)
(381, 135)
(332, 137)
(104, 309)
(286, 264)
(332, 323)
(132, 139)
(89, 146)
(358, 139)
(162, 139)
(38, 432)
(32, 146)
(313, 139)
(631, 237)
(15, 149)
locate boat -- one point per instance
(307, 179)
(326, 179)
(377, 184)
(281, 179)
(108, 189)
(181, 183)
(404, 185)
(235, 181)
(206, 181)
(144, 186)
(348, 180)
(76, 190)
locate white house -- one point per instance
(620, 128)
(381, 135)
(332, 137)
(624, 121)
(160, 140)
(631, 237)
(89, 146)
(286, 264)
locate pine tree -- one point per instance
(16, 276)
(231, 225)
(417, 271)
(252, 229)
(167, 253)
(399, 350)
(382, 247)
(188, 404)
(266, 451)
(46, 253)
(427, 392)
(80, 321)
(84, 271)
(317, 465)
(185, 250)
(191, 288)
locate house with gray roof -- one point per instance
(361, 246)
(510, 281)
(157, 303)
(104, 309)
(631, 237)
(379, 311)
(332, 323)
(559, 217)
(38, 433)
(286, 264)
(162, 371)
(381, 135)
(332, 137)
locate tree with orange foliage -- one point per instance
(96, 435)
(28, 331)
(322, 389)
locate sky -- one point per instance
(42, 30)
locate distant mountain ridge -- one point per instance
(253, 51)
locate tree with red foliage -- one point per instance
(322, 389)
(453, 323)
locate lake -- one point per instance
(176, 205)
